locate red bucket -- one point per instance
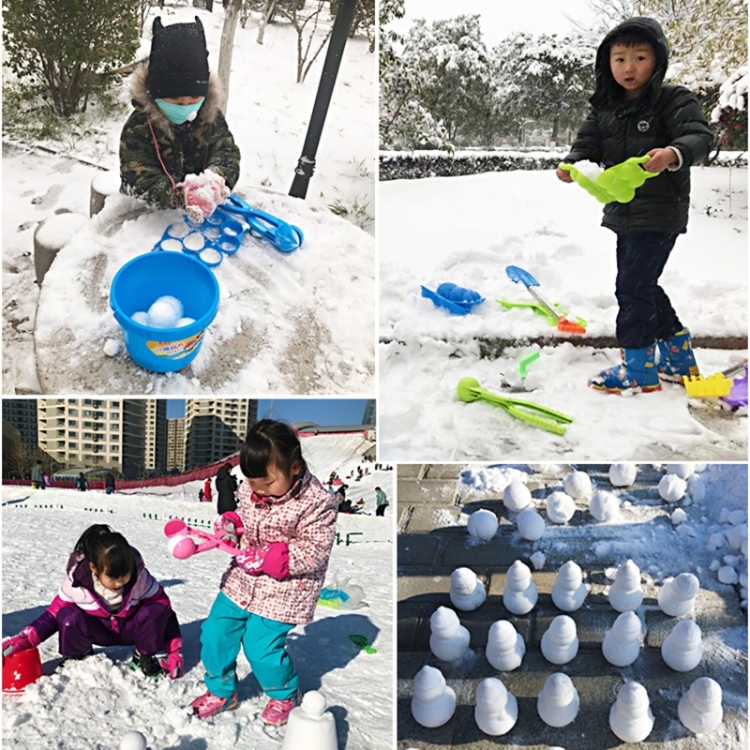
(21, 669)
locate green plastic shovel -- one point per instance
(527, 411)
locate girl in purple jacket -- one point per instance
(108, 598)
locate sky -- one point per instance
(538, 16)
(321, 411)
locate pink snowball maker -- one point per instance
(183, 546)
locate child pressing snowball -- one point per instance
(176, 150)
(289, 524)
(108, 598)
(634, 113)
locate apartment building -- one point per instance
(22, 414)
(156, 436)
(176, 444)
(215, 428)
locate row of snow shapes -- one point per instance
(496, 712)
(682, 650)
(560, 505)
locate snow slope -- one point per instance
(91, 704)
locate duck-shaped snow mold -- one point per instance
(467, 592)
(449, 640)
(520, 594)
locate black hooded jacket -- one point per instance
(226, 486)
(617, 128)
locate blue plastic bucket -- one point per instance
(139, 283)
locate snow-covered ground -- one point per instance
(466, 230)
(311, 326)
(90, 705)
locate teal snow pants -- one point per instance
(228, 627)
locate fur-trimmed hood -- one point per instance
(142, 99)
(607, 91)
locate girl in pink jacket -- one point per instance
(289, 522)
(108, 598)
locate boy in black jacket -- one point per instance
(634, 113)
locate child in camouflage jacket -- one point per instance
(176, 150)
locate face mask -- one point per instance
(180, 113)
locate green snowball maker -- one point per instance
(617, 183)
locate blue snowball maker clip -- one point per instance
(456, 299)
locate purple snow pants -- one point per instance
(144, 629)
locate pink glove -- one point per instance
(272, 559)
(27, 638)
(173, 664)
(203, 192)
(229, 528)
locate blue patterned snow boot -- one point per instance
(636, 374)
(676, 357)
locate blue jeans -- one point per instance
(646, 314)
(228, 627)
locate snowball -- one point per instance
(605, 506)
(714, 566)
(482, 524)
(715, 541)
(589, 169)
(133, 741)
(679, 516)
(622, 475)
(165, 312)
(728, 574)
(577, 484)
(530, 525)
(735, 536)
(696, 487)
(672, 488)
(683, 471)
(517, 496)
(737, 517)
(140, 317)
(560, 507)
(538, 559)
(182, 322)
(111, 347)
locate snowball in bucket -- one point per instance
(133, 741)
(577, 484)
(140, 317)
(111, 347)
(165, 312)
(622, 475)
(182, 322)
(672, 488)
(482, 524)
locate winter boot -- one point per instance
(636, 374)
(148, 664)
(676, 357)
(276, 713)
(209, 704)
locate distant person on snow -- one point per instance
(109, 483)
(176, 150)
(634, 113)
(37, 476)
(108, 598)
(82, 484)
(289, 524)
(207, 494)
(226, 487)
(381, 501)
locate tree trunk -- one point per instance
(264, 16)
(226, 48)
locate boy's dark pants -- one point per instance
(645, 315)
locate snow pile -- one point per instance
(728, 547)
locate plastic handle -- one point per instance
(177, 526)
(517, 274)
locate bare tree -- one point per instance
(300, 16)
(265, 17)
(231, 14)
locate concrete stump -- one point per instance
(50, 236)
(102, 186)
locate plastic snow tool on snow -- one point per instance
(527, 411)
(616, 184)
(738, 395)
(714, 386)
(517, 275)
(456, 299)
(362, 642)
(284, 237)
